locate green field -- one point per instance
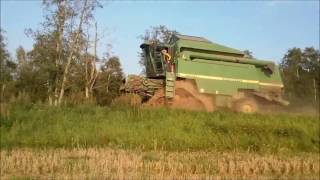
(157, 129)
(92, 142)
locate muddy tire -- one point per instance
(185, 100)
(157, 100)
(246, 105)
(186, 97)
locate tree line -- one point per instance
(63, 65)
(300, 70)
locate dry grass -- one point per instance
(103, 163)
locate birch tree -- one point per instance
(91, 72)
(69, 21)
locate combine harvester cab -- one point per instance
(194, 73)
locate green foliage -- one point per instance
(37, 74)
(7, 70)
(109, 80)
(57, 65)
(60, 68)
(21, 55)
(158, 34)
(92, 126)
(300, 72)
(248, 54)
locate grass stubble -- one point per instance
(106, 163)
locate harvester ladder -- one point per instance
(158, 63)
(170, 82)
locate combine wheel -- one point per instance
(246, 105)
(188, 97)
(157, 99)
(185, 100)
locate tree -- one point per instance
(248, 54)
(91, 72)
(300, 70)
(109, 81)
(156, 34)
(60, 17)
(36, 76)
(60, 46)
(7, 68)
(75, 40)
(160, 34)
(21, 55)
(50, 49)
(61, 63)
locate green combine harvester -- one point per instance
(194, 73)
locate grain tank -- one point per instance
(194, 73)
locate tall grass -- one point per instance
(157, 129)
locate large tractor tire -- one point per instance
(246, 105)
(158, 99)
(186, 97)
